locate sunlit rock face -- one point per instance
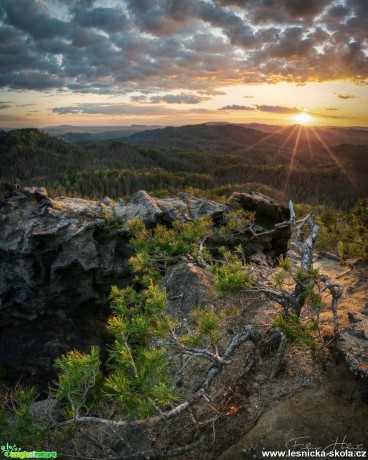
(59, 258)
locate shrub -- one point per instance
(139, 381)
(20, 427)
(231, 275)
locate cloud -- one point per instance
(212, 92)
(278, 109)
(346, 96)
(4, 105)
(171, 99)
(264, 108)
(335, 117)
(331, 108)
(236, 107)
(278, 10)
(170, 46)
(106, 19)
(30, 16)
(111, 109)
(12, 118)
(248, 97)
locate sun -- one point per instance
(302, 118)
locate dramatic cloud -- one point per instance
(168, 46)
(236, 107)
(4, 106)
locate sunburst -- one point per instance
(302, 118)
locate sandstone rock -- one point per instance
(268, 211)
(353, 343)
(182, 207)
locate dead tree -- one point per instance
(305, 231)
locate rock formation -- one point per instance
(59, 258)
(353, 343)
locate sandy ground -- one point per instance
(353, 275)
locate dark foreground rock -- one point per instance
(59, 258)
(353, 343)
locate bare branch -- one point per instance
(336, 290)
(279, 355)
(202, 263)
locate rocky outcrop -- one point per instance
(353, 343)
(267, 213)
(59, 258)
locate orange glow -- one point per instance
(232, 410)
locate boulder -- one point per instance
(47, 410)
(187, 286)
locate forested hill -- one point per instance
(203, 137)
(209, 160)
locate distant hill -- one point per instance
(217, 136)
(197, 135)
(202, 137)
(72, 133)
(209, 159)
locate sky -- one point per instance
(175, 62)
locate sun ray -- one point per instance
(292, 158)
(306, 130)
(335, 159)
(265, 138)
(287, 139)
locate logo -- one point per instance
(12, 451)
